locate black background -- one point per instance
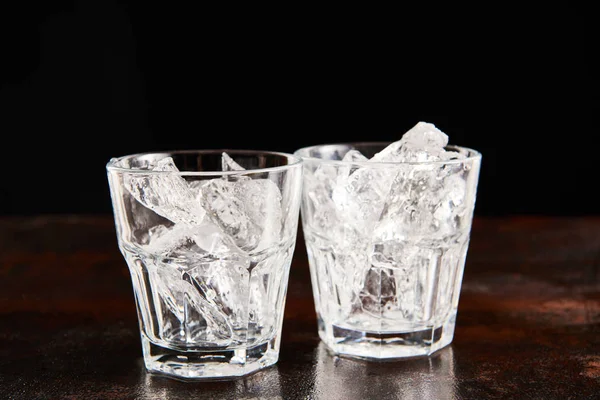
(85, 81)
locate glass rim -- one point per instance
(473, 155)
(294, 160)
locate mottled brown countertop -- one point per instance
(528, 323)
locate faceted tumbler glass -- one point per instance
(208, 238)
(387, 244)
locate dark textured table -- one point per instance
(528, 322)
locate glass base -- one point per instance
(208, 364)
(387, 345)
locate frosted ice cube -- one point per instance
(168, 195)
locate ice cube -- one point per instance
(354, 156)
(320, 184)
(266, 280)
(426, 136)
(166, 194)
(228, 211)
(142, 220)
(404, 268)
(262, 203)
(224, 284)
(426, 202)
(164, 240)
(424, 142)
(211, 239)
(228, 164)
(184, 245)
(170, 196)
(199, 318)
(360, 197)
(451, 155)
(327, 192)
(249, 210)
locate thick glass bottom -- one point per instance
(209, 364)
(387, 345)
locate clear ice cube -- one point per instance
(424, 142)
(320, 205)
(228, 164)
(354, 156)
(425, 201)
(262, 200)
(224, 284)
(166, 194)
(196, 317)
(360, 197)
(190, 244)
(223, 205)
(164, 240)
(247, 210)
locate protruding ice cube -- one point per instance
(425, 200)
(424, 142)
(228, 164)
(354, 156)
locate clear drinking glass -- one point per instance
(209, 246)
(387, 244)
